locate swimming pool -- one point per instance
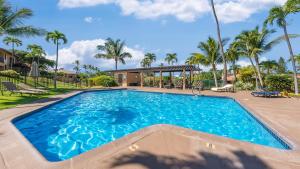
(91, 119)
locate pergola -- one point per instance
(162, 69)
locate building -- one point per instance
(135, 77)
(6, 59)
(66, 76)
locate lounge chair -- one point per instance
(265, 93)
(13, 89)
(226, 88)
(26, 87)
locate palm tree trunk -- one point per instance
(234, 71)
(13, 55)
(215, 75)
(220, 44)
(258, 71)
(254, 68)
(56, 63)
(116, 63)
(292, 59)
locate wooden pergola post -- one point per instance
(184, 79)
(160, 79)
(142, 79)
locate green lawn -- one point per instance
(7, 101)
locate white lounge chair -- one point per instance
(226, 88)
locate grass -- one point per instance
(7, 101)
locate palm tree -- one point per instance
(269, 65)
(151, 57)
(232, 55)
(281, 66)
(14, 42)
(210, 55)
(11, 21)
(194, 60)
(254, 43)
(279, 15)
(146, 62)
(171, 58)
(220, 43)
(113, 49)
(57, 38)
(77, 67)
(36, 51)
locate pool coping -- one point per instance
(130, 139)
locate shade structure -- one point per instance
(34, 72)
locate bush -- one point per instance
(246, 75)
(244, 85)
(279, 82)
(9, 73)
(103, 80)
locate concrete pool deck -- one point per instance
(165, 146)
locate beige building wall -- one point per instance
(6, 59)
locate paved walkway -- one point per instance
(168, 147)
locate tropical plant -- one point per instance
(151, 58)
(145, 62)
(9, 73)
(253, 44)
(57, 38)
(232, 55)
(220, 43)
(281, 66)
(246, 74)
(11, 21)
(269, 65)
(113, 49)
(279, 15)
(77, 66)
(35, 52)
(171, 58)
(103, 80)
(279, 82)
(194, 60)
(13, 42)
(210, 55)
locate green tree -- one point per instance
(57, 38)
(232, 55)
(220, 43)
(210, 55)
(14, 42)
(171, 58)
(281, 66)
(11, 21)
(194, 60)
(254, 43)
(77, 66)
(146, 62)
(279, 15)
(113, 49)
(269, 65)
(151, 57)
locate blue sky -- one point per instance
(158, 26)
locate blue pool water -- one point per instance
(92, 119)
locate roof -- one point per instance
(177, 68)
(4, 50)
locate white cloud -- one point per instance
(88, 19)
(184, 10)
(85, 50)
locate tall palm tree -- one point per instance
(210, 55)
(77, 67)
(57, 38)
(151, 57)
(194, 60)
(13, 42)
(220, 43)
(279, 15)
(11, 21)
(254, 43)
(113, 49)
(171, 58)
(146, 62)
(269, 65)
(36, 51)
(232, 55)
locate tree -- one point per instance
(14, 42)
(57, 38)
(210, 55)
(254, 43)
(281, 66)
(151, 57)
(171, 58)
(11, 21)
(194, 60)
(113, 49)
(279, 15)
(146, 62)
(77, 67)
(269, 65)
(232, 55)
(220, 43)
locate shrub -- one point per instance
(246, 74)
(279, 82)
(244, 85)
(9, 73)
(103, 80)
